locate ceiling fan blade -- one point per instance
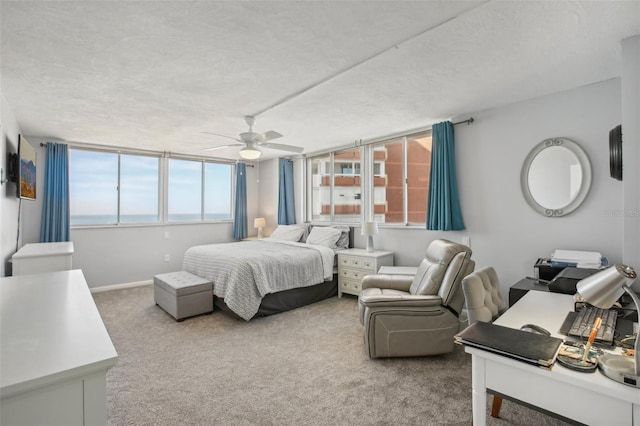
(224, 136)
(267, 136)
(222, 146)
(282, 147)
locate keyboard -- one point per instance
(583, 323)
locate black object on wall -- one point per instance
(615, 152)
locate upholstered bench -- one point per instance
(182, 294)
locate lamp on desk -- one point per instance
(370, 229)
(602, 290)
(259, 223)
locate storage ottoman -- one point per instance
(182, 294)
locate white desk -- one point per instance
(589, 398)
(42, 257)
(55, 351)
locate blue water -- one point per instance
(84, 220)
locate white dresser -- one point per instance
(55, 351)
(42, 257)
(354, 264)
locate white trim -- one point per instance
(120, 286)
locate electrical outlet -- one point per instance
(166, 235)
(167, 258)
(466, 241)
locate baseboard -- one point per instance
(120, 286)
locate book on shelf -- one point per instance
(532, 348)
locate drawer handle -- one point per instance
(356, 262)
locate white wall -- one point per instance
(631, 151)
(8, 200)
(504, 231)
(111, 255)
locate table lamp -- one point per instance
(602, 290)
(259, 223)
(369, 229)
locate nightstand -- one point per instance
(354, 264)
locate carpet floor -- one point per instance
(307, 366)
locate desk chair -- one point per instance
(416, 315)
(484, 303)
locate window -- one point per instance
(189, 200)
(110, 188)
(395, 177)
(217, 191)
(185, 191)
(93, 187)
(336, 194)
(401, 179)
(139, 189)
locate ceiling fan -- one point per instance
(252, 142)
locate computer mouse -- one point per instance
(532, 328)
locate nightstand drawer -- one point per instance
(354, 274)
(358, 262)
(350, 286)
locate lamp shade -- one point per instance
(250, 151)
(369, 228)
(604, 288)
(259, 222)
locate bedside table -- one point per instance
(354, 264)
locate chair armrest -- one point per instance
(398, 270)
(395, 282)
(399, 300)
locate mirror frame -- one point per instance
(585, 185)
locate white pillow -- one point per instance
(324, 236)
(287, 233)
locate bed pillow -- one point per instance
(324, 236)
(288, 232)
(343, 241)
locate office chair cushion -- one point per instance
(482, 294)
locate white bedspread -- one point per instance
(243, 273)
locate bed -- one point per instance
(293, 268)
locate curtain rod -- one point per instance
(468, 121)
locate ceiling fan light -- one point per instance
(250, 153)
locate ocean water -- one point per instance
(85, 220)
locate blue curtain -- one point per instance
(286, 205)
(240, 213)
(55, 223)
(443, 208)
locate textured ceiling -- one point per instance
(155, 75)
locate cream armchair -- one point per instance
(416, 315)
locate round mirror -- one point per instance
(556, 177)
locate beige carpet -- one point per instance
(303, 367)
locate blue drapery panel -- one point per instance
(286, 205)
(55, 223)
(443, 209)
(240, 213)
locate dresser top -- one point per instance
(50, 330)
(44, 249)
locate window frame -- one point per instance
(163, 187)
(367, 179)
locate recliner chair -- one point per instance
(416, 315)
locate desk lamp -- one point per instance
(259, 223)
(602, 290)
(370, 229)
